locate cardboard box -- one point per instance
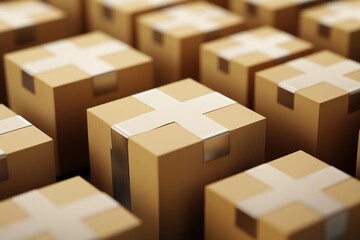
(172, 36)
(282, 14)
(155, 152)
(312, 103)
(75, 12)
(228, 65)
(27, 157)
(52, 85)
(293, 197)
(118, 18)
(71, 209)
(221, 3)
(24, 24)
(334, 26)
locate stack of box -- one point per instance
(27, 158)
(27, 23)
(52, 85)
(228, 65)
(155, 152)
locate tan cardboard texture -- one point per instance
(228, 65)
(24, 24)
(53, 85)
(27, 157)
(118, 17)
(282, 14)
(294, 197)
(164, 145)
(334, 26)
(358, 159)
(75, 14)
(312, 104)
(71, 209)
(172, 36)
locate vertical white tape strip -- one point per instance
(315, 74)
(188, 114)
(13, 123)
(285, 190)
(341, 11)
(61, 222)
(249, 43)
(21, 15)
(66, 53)
(204, 20)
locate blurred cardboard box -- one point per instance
(334, 26)
(27, 157)
(24, 24)
(313, 104)
(71, 209)
(52, 85)
(293, 197)
(229, 64)
(172, 36)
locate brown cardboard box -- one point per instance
(71, 209)
(53, 85)
(75, 11)
(293, 197)
(312, 103)
(334, 26)
(228, 65)
(282, 14)
(118, 17)
(157, 162)
(27, 158)
(172, 36)
(24, 24)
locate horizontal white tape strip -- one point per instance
(203, 20)
(188, 114)
(22, 15)
(61, 222)
(155, 3)
(66, 53)
(13, 123)
(249, 43)
(306, 190)
(341, 11)
(315, 74)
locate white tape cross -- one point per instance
(306, 190)
(203, 20)
(66, 53)
(188, 114)
(13, 123)
(315, 74)
(155, 3)
(258, 2)
(340, 12)
(62, 222)
(21, 16)
(250, 43)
